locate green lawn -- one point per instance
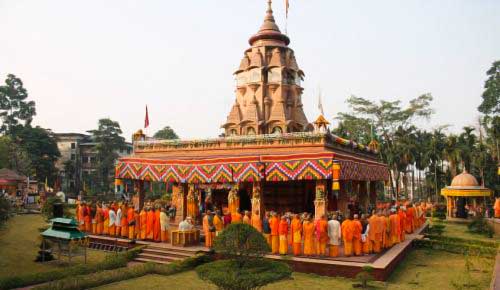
(459, 230)
(19, 241)
(422, 269)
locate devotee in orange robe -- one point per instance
(387, 237)
(395, 227)
(246, 218)
(150, 219)
(308, 229)
(87, 219)
(79, 216)
(99, 219)
(131, 222)
(93, 218)
(424, 212)
(218, 224)
(347, 236)
(137, 226)
(373, 224)
(156, 225)
(207, 227)
(236, 218)
(296, 228)
(256, 221)
(321, 236)
(335, 234)
(283, 233)
(357, 229)
(143, 216)
(410, 214)
(402, 220)
(496, 207)
(105, 215)
(124, 222)
(275, 239)
(379, 233)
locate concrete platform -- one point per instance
(383, 264)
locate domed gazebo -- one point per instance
(464, 188)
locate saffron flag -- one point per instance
(146, 120)
(287, 6)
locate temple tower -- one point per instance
(268, 86)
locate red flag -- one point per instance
(146, 120)
(287, 6)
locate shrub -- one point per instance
(456, 247)
(436, 229)
(439, 211)
(480, 226)
(241, 243)
(123, 273)
(364, 277)
(5, 210)
(227, 275)
(110, 262)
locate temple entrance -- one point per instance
(219, 199)
(245, 200)
(291, 196)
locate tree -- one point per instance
(14, 108)
(109, 141)
(41, 147)
(491, 94)
(387, 118)
(243, 247)
(14, 157)
(166, 133)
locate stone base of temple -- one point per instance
(383, 264)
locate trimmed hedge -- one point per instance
(491, 244)
(124, 273)
(456, 247)
(110, 262)
(256, 273)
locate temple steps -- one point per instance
(163, 254)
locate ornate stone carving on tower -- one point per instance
(268, 86)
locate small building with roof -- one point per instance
(11, 182)
(464, 192)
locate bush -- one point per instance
(436, 229)
(110, 262)
(439, 211)
(123, 273)
(5, 210)
(364, 277)
(456, 247)
(227, 275)
(241, 243)
(480, 226)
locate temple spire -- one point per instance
(269, 30)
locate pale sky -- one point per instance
(85, 60)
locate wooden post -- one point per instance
(320, 201)
(179, 201)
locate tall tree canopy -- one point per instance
(42, 150)
(14, 108)
(393, 123)
(491, 94)
(109, 141)
(166, 133)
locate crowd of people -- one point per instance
(300, 235)
(122, 219)
(287, 233)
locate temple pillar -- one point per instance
(363, 195)
(179, 201)
(257, 202)
(233, 199)
(141, 194)
(342, 198)
(320, 201)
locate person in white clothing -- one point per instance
(334, 234)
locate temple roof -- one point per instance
(269, 30)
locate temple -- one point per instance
(270, 158)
